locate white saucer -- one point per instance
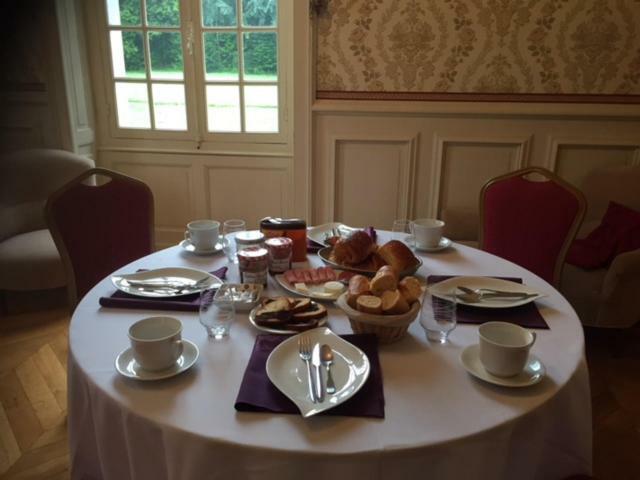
(532, 373)
(127, 366)
(187, 246)
(444, 243)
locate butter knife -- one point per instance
(316, 362)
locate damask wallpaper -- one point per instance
(563, 50)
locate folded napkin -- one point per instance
(185, 303)
(258, 394)
(527, 316)
(313, 247)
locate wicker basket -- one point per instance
(388, 328)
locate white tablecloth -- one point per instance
(440, 423)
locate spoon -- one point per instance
(326, 357)
(479, 294)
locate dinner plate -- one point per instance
(350, 370)
(252, 318)
(324, 254)
(532, 373)
(445, 288)
(126, 365)
(160, 283)
(320, 233)
(187, 246)
(442, 245)
(315, 292)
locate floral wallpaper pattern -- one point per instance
(552, 47)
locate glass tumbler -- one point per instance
(438, 316)
(216, 315)
(229, 228)
(401, 229)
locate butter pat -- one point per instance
(334, 288)
(301, 287)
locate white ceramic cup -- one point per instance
(203, 234)
(504, 348)
(156, 342)
(427, 232)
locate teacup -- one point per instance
(504, 348)
(427, 232)
(156, 342)
(203, 234)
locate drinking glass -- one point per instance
(229, 227)
(438, 316)
(401, 229)
(216, 315)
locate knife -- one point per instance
(315, 361)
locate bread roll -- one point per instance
(353, 249)
(358, 285)
(410, 289)
(385, 279)
(393, 303)
(369, 304)
(398, 255)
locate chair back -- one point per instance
(531, 222)
(99, 227)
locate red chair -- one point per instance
(531, 222)
(98, 227)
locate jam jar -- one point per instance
(280, 250)
(253, 263)
(293, 228)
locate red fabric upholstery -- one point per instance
(527, 222)
(619, 232)
(103, 227)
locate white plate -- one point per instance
(187, 246)
(315, 291)
(320, 233)
(288, 372)
(325, 255)
(533, 371)
(164, 276)
(127, 366)
(252, 318)
(444, 243)
(445, 288)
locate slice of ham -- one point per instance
(311, 276)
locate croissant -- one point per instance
(353, 249)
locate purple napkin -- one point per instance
(526, 316)
(258, 394)
(185, 303)
(372, 233)
(313, 247)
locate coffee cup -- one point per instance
(504, 348)
(156, 342)
(427, 232)
(203, 234)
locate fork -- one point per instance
(304, 349)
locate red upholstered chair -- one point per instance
(99, 227)
(531, 219)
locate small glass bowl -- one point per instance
(245, 296)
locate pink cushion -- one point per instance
(619, 232)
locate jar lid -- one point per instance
(249, 237)
(278, 242)
(271, 223)
(253, 254)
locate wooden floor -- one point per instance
(33, 437)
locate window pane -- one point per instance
(164, 13)
(259, 13)
(127, 54)
(221, 56)
(223, 108)
(169, 106)
(133, 105)
(261, 108)
(260, 56)
(166, 55)
(123, 12)
(219, 13)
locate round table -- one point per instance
(440, 421)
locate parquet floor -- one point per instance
(33, 437)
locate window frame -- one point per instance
(195, 82)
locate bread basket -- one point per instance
(388, 328)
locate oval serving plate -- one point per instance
(319, 234)
(324, 254)
(315, 292)
(165, 282)
(280, 331)
(288, 372)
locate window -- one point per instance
(208, 68)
